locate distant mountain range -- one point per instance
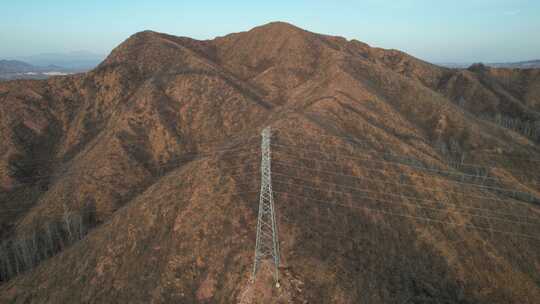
(16, 69)
(14, 66)
(531, 64)
(44, 65)
(79, 60)
(517, 65)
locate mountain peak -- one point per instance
(277, 29)
(281, 25)
(144, 34)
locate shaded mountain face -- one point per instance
(391, 175)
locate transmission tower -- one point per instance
(267, 245)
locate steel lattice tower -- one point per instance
(267, 245)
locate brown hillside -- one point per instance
(396, 181)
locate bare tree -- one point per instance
(4, 262)
(462, 102)
(82, 230)
(67, 224)
(33, 248)
(48, 241)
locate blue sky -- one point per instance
(453, 31)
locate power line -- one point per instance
(51, 215)
(182, 157)
(472, 185)
(175, 174)
(415, 217)
(391, 154)
(226, 141)
(395, 163)
(402, 174)
(409, 197)
(356, 140)
(91, 179)
(409, 204)
(390, 183)
(78, 170)
(186, 156)
(389, 162)
(349, 156)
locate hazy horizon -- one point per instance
(458, 32)
(103, 55)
